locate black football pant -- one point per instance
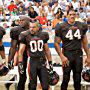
(22, 77)
(38, 68)
(75, 64)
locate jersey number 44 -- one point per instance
(70, 35)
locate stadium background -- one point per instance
(6, 39)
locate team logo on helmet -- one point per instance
(53, 77)
(86, 74)
(3, 70)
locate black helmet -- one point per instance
(86, 74)
(3, 70)
(53, 77)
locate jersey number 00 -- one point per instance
(36, 45)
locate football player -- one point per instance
(14, 34)
(36, 42)
(73, 36)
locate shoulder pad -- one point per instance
(23, 34)
(14, 33)
(63, 24)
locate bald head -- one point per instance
(24, 20)
(24, 17)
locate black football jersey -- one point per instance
(2, 32)
(71, 35)
(34, 43)
(15, 32)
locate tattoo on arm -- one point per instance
(20, 57)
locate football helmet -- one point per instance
(86, 74)
(53, 77)
(3, 69)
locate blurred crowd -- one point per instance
(47, 12)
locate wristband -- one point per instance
(10, 64)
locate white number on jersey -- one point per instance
(70, 36)
(36, 45)
(77, 34)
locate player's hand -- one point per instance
(87, 62)
(65, 61)
(10, 64)
(21, 68)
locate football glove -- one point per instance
(21, 68)
(10, 64)
(50, 65)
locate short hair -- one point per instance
(70, 10)
(34, 21)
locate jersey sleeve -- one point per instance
(22, 38)
(14, 33)
(2, 32)
(57, 30)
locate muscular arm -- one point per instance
(20, 58)
(57, 41)
(85, 46)
(64, 59)
(12, 50)
(47, 52)
(21, 51)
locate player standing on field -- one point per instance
(36, 42)
(73, 36)
(14, 34)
